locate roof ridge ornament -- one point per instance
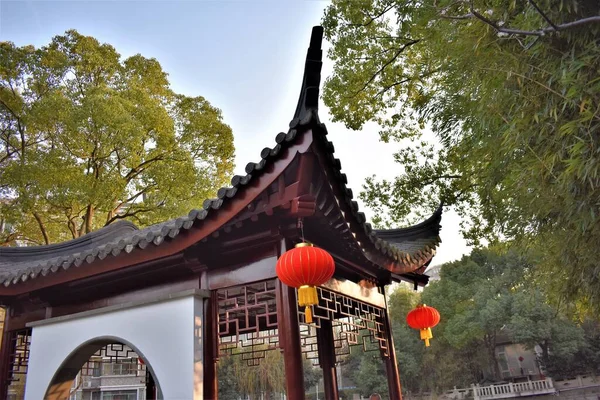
(308, 102)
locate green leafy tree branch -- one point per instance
(88, 138)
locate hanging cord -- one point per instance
(301, 227)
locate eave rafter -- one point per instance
(342, 212)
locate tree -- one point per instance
(409, 349)
(312, 375)
(442, 363)
(370, 376)
(511, 91)
(492, 293)
(475, 297)
(228, 387)
(535, 323)
(87, 138)
(267, 378)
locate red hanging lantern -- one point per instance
(423, 318)
(305, 267)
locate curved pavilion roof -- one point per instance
(404, 250)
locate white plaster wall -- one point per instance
(166, 334)
(198, 350)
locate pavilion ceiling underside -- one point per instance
(397, 257)
(334, 212)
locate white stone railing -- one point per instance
(513, 389)
(530, 388)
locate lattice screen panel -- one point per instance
(20, 342)
(19, 359)
(354, 323)
(247, 321)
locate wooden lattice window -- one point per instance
(247, 320)
(353, 322)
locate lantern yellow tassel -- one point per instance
(307, 297)
(308, 315)
(426, 335)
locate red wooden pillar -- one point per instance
(391, 364)
(327, 359)
(292, 351)
(289, 338)
(211, 345)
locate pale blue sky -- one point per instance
(246, 57)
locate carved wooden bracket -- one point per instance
(303, 206)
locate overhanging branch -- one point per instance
(543, 14)
(386, 64)
(372, 18)
(540, 32)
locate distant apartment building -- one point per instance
(516, 362)
(101, 378)
(104, 379)
(434, 272)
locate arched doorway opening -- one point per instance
(105, 369)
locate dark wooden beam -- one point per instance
(356, 291)
(268, 203)
(20, 321)
(68, 304)
(113, 277)
(364, 271)
(305, 175)
(233, 276)
(289, 334)
(241, 242)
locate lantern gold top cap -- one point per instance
(304, 244)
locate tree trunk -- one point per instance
(86, 224)
(494, 359)
(42, 227)
(109, 216)
(72, 227)
(89, 217)
(490, 344)
(545, 353)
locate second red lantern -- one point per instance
(305, 267)
(423, 318)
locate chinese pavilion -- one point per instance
(185, 292)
